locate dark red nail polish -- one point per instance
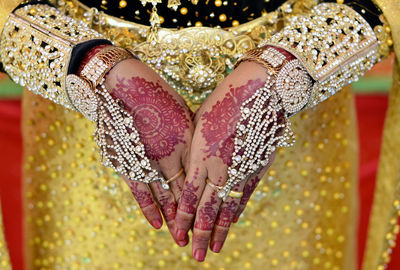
(182, 243)
(200, 254)
(216, 247)
(157, 224)
(181, 235)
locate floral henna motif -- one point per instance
(207, 215)
(219, 125)
(160, 120)
(189, 197)
(249, 189)
(143, 197)
(226, 214)
(168, 208)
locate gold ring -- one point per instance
(235, 194)
(232, 194)
(173, 178)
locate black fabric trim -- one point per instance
(79, 52)
(234, 10)
(371, 11)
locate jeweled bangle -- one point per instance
(36, 46)
(80, 89)
(103, 62)
(292, 83)
(333, 42)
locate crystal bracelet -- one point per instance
(118, 140)
(264, 123)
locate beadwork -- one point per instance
(80, 91)
(293, 84)
(334, 43)
(46, 37)
(259, 132)
(179, 56)
(119, 141)
(264, 124)
(82, 97)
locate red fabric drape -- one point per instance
(10, 184)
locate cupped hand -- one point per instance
(210, 156)
(164, 124)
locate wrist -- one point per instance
(90, 54)
(290, 80)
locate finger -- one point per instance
(208, 208)
(166, 201)
(146, 203)
(250, 186)
(205, 218)
(185, 159)
(192, 191)
(174, 172)
(177, 186)
(248, 190)
(224, 219)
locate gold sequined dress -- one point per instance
(79, 215)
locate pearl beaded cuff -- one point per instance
(36, 46)
(333, 42)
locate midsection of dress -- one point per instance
(210, 13)
(193, 60)
(82, 216)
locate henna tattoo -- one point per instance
(168, 208)
(219, 125)
(167, 205)
(189, 198)
(207, 215)
(249, 189)
(143, 197)
(160, 120)
(226, 214)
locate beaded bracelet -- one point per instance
(118, 140)
(264, 123)
(293, 84)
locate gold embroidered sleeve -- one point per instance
(334, 43)
(36, 46)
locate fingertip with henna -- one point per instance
(184, 242)
(199, 254)
(157, 224)
(216, 247)
(181, 235)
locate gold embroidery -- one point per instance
(46, 37)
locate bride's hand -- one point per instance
(211, 156)
(164, 124)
